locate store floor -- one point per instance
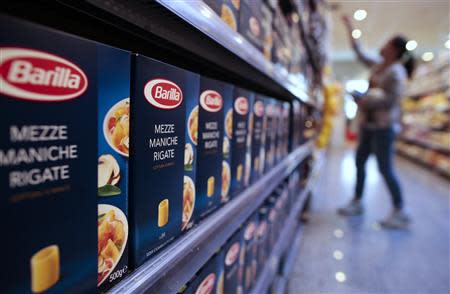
(356, 251)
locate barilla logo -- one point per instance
(269, 110)
(211, 101)
(207, 285)
(163, 94)
(249, 231)
(241, 105)
(232, 254)
(258, 108)
(39, 76)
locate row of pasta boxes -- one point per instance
(236, 266)
(91, 133)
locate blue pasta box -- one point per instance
(227, 148)
(271, 134)
(241, 107)
(48, 155)
(227, 10)
(286, 122)
(279, 134)
(251, 251)
(158, 96)
(190, 160)
(250, 26)
(233, 267)
(256, 128)
(113, 152)
(210, 145)
(209, 279)
(263, 237)
(295, 125)
(274, 224)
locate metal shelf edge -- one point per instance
(177, 263)
(202, 17)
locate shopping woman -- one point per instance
(380, 121)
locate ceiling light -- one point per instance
(356, 34)
(427, 56)
(338, 233)
(411, 45)
(338, 255)
(340, 277)
(447, 44)
(360, 14)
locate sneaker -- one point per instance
(397, 220)
(353, 208)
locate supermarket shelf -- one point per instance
(176, 264)
(270, 270)
(423, 163)
(212, 25)
(424, 144)
(148, 27)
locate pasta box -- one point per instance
(263, 237)
(242, 101)
(210, 145)
(250, 23)
(294, 126)
(48, 155)
(190, 160)
(227, 151)
(227, 10)
(270, 135)
(256, 127)
(209, 279)
(113, 131)
(286, 122)
(279, 135)
(251, 250)
(233, 254)
(158, 96)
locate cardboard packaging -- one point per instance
(250, 23)
(242, 102)
(159, 92)
(48, 155)
(234, 263)
(251, 251)
(209, 279)
(210, 145)
(113, 173)
(227, 10)
(256, 128)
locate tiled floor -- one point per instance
(361, 255)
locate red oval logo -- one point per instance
(39, 76)
(207, 285)
(241, 105)
(232, 254)
(258, 108)
(249, 231)
(211, 101)
(163, 94)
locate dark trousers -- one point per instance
(381, 143)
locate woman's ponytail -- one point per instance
(405, 56)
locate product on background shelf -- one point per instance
(256, 129)
(280, 130)
(228, 111)
(285, 130)
(48, 155)
(233, 254)
(266, 26)
(251, 248)
(242, 106)
(209, 279)
(190, 162)
(270, 134)
(210, 145)
(228, 10)
(250, 18)
(262, 235)
(157, 163)
(113, 175)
